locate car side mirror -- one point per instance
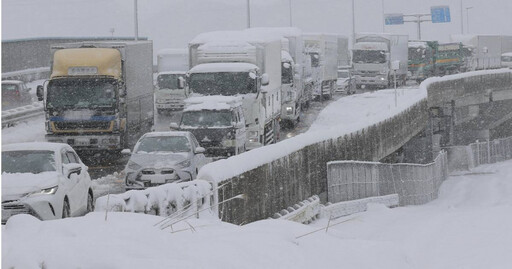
(71, 168)
(264, 79)
(126, 152)
(174, 126)
(40, 92)
(199, 150)
(239, 125)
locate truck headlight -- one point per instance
(289, 109)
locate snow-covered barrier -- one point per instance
(28, 75)
(341, 209)
(162, 200)
(465, 158)
(302, 212)
(11, 116)
(415, 184)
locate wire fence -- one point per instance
(468, 157)
(415, 184)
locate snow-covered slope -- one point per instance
(467, 227)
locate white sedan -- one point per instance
(46, 180)
(164, 157)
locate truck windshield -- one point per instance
(369, 56)
(416, 53)
(81, 93)
(168, 81)
(206, 119)
(226, 83)
(286, 73)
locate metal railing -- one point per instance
(414, 183)
(478, 153)
(12, 116)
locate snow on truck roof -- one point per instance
(417, 44)
(507, 54)
(173, 51)
(172, 73)
(258, 36)
(223, 67)
(167, 133)
(282, 31)
(212, 102)
(35, 146)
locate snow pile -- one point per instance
(162, 200)
(467, 227)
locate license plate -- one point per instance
(82, 142)
(154, 179)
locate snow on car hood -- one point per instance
(15, 185)
(159, 160)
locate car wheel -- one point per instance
(65, 209)
(90, 202)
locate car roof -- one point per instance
(168, 133)
(12, 82)
(36, 146)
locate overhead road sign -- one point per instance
(440, 14)
(392, 19)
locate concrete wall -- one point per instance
(302, 174)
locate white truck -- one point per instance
(100, 94)
(171, 64)
(375, 54)
(238, 63)
(292, 71)
(217, 122)
(485, 50)
(323, 51)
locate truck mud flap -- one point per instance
(269, 133)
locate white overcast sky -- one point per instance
(172, 23)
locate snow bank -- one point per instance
(162, 200)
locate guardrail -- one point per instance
(302, 212)
(12, 116)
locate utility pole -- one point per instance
(136, 20)
(383, 18)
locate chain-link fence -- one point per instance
(478, 153)
(414, 183)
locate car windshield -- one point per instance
(164, 144)
(28, 161)
(168, 81)
(369, 56)
(506, 58)
(222, 83)
(81, 93)
(206, 118)
(342, 74)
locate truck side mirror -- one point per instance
(40, 92)
(174, 126)
(264, 79)
(181, 83)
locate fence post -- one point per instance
(488, 151)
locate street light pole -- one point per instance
(353, 23)
(461, 19)
(136, 20)
(248, 13)
(383, 19)
(290, 7)
(467, 18)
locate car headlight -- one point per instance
(133, 165)
(253, 134)
(51, 190)
(184, 164)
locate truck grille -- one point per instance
(95, 125)
(369, 73)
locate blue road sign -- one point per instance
(391, 19)
(440, 14)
